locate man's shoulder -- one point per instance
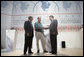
(26, 21)
(55, 20)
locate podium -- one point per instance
(10, 36)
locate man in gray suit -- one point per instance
(53, 34)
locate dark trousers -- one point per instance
(53, 39)
(28, 44)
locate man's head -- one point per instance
(39, 19)
(51, 17)
(30, 18)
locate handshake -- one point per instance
(47, 27)
(44, 28)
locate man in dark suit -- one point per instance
(28, 35)
(53, 34)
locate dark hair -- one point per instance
(30, 17)
(51, 16)
(38, 18)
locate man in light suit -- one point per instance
(53, 34)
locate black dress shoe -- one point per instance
(45, 51)
(24, 53)
(50, 52)
(38, 51)
(54, 53)
(30, 52)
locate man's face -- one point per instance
(39, 19)
(50, 18)
(31, 19)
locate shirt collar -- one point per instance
(39, 22)
(29, 21)
(52, 20)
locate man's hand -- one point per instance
(53, 33)
(27, 34)
(43, 27)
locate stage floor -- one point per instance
(61, 52)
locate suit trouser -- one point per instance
(28, 44)
(40, 36)
(53, 39)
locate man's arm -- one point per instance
(56, 25)
(47, 27)
(24, 25)
(26, 28)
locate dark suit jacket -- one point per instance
(28, 28)
(53, 27)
